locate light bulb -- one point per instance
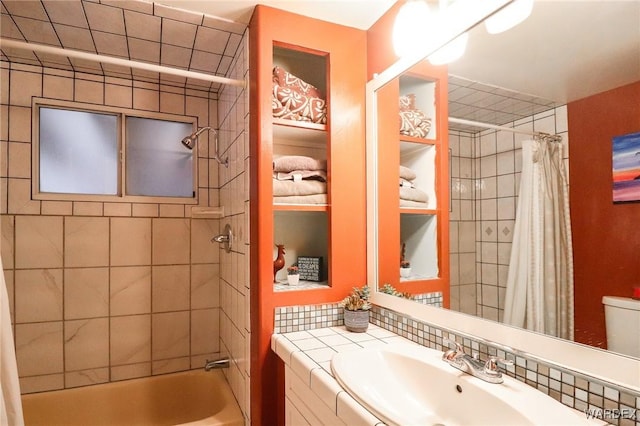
(450, 51)
(509, 17)
(411, 27)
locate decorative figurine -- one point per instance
(279, 262)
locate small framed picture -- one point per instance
(626, 168)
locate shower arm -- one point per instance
(216, 155)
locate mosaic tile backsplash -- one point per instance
(596, 398)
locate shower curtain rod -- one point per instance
(76, 54)
(552, 138)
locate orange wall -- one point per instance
(606, 239)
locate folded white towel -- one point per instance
(407, 174)
(290, 163)
(413, 194)
(304, 187)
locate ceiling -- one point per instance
(544, 62)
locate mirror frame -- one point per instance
(595, 362)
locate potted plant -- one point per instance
(293, 275)
(356, 309)
(405, 269)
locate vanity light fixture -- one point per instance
(509, 17)
(411, 27)
(450, 51)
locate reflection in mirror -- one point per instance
(524, 79)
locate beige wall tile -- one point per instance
(4, 86)
(202, 249)
(171, 210)
(39, 348)
(171, 365)
(87, 208)
(205, 329)
(56, 87)
(130, 371)
(147, 100)
(205, 286)
(86, 293)
(19, 124)
(86, 344)
(117, 209)
(19, 160)
(170, 288)
(170, 242)
(117, 95)
(171, 103)
(7, 233)
(130, 339)
(93, 376)
(170, 335)
(88, 91)
(41, 383)
(145, 210)
(57, 208)
(24, 85)
(86, 241)
(38, 242)
(130, 290)
(38, 295)
(130, 241)
(19, 197)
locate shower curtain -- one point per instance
(10, 404)
(539, 294)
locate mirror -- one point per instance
(532, 68)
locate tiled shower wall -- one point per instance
(235, 333)
(485, 178)
(104, 291)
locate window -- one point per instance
(111, 155)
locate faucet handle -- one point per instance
(491, 366)
(450, 354)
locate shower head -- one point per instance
(190, 141)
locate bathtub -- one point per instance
(193, 398)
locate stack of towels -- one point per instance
(413, 122)
(295, 99)
(298, 179)
(410, 196)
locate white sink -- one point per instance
(411, 385)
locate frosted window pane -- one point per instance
(78, 152)
(157, 162)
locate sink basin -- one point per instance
(411, 385)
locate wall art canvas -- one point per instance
(626, 168)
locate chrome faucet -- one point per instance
(221, 363)
(487, 371)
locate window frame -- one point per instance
(121, 115)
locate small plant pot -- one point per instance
(293, 279)
(405, 272)
(356, 321)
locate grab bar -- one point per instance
(212, 365)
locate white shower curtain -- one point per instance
(10, 404)
(539, 294)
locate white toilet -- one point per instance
(622, 318)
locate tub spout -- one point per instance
(221, 363)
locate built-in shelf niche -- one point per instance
(307, 65)
(419, 234)
(421, 158)
(302, 234)
(425, 92)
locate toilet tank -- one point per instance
(622, 317)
